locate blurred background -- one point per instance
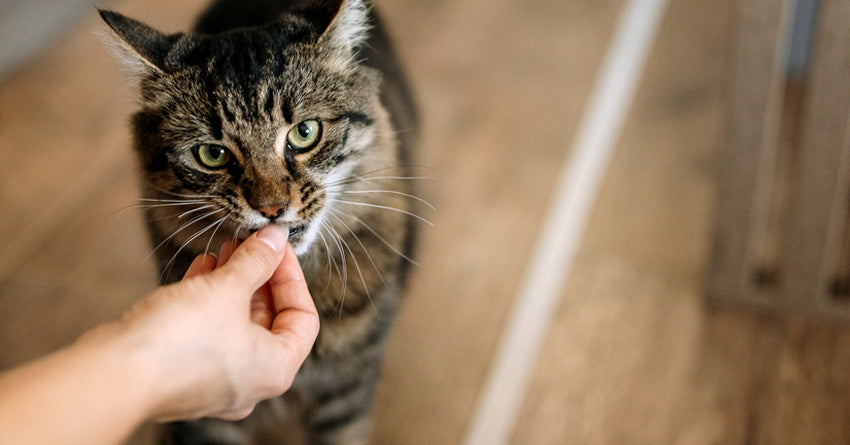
(703, 298)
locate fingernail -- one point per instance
(274, 237)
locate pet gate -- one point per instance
(782, 238)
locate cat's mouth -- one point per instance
(296, 233)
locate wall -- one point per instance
(27, 26)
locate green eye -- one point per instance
(304, 136)
(212, 156)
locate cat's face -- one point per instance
(251, 128)
(259, 146)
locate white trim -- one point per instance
(576, 193)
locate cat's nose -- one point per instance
(272, 211)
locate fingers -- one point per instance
(256, 259)
(227, 250)
(288, 286)
(203, 264)
(234, 415)
(296, 324)
(262, 308)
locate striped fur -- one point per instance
(248, 74)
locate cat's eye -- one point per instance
(212, 156)
(304, 136)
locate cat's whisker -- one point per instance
(328, 255)
(223, 220)
(357, 268)
(362, 246)
(343, 266)
(395, 132)
(179, 195)
(236, 232)
(176, 201)
(382, 207)
(359, 272)
(154, 206)
(355, 180)
(343, 269)
(391, 192)
(167, 269)
(182, 228)
(363, 175)
(199, 209)
(383, 240)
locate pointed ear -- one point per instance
(143, 49)
(343, 24)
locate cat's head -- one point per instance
(253, 126)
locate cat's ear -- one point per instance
(143, 49)
(344, 27)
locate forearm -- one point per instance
(96, 391)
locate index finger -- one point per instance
(296, 323)
(256, 259)
(289, 287)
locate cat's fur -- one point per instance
(250, 72)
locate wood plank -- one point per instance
(761, 35)
(499, 112)
(820, 207)
(64, 126)
(88, 271)
(634, 357)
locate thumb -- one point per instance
(256, 259)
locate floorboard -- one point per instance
(634, 355)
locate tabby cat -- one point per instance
(292, 113)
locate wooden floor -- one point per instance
(633, 356)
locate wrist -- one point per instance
(125, 365)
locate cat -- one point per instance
(293, 113)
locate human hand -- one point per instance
(233, 333)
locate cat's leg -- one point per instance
(340, 415)
(338, 380)
(273, 422)
(337, 392)
(203, 432)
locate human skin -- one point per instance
(231, 334)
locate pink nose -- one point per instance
(272, 211)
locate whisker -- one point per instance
(391, 192)
(328, 255)
(395, 132)
(153, 206)
(223, 220)
(236, 232)
(179, 195)
(175, 201)
(355, 180)
(182, 215)
(168, 267)
(365, 175)
(193, 221)
(392, 209)
(357, 268)
(344, 269)
(383, 240)
(362, 246)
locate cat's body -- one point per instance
(280, 112)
